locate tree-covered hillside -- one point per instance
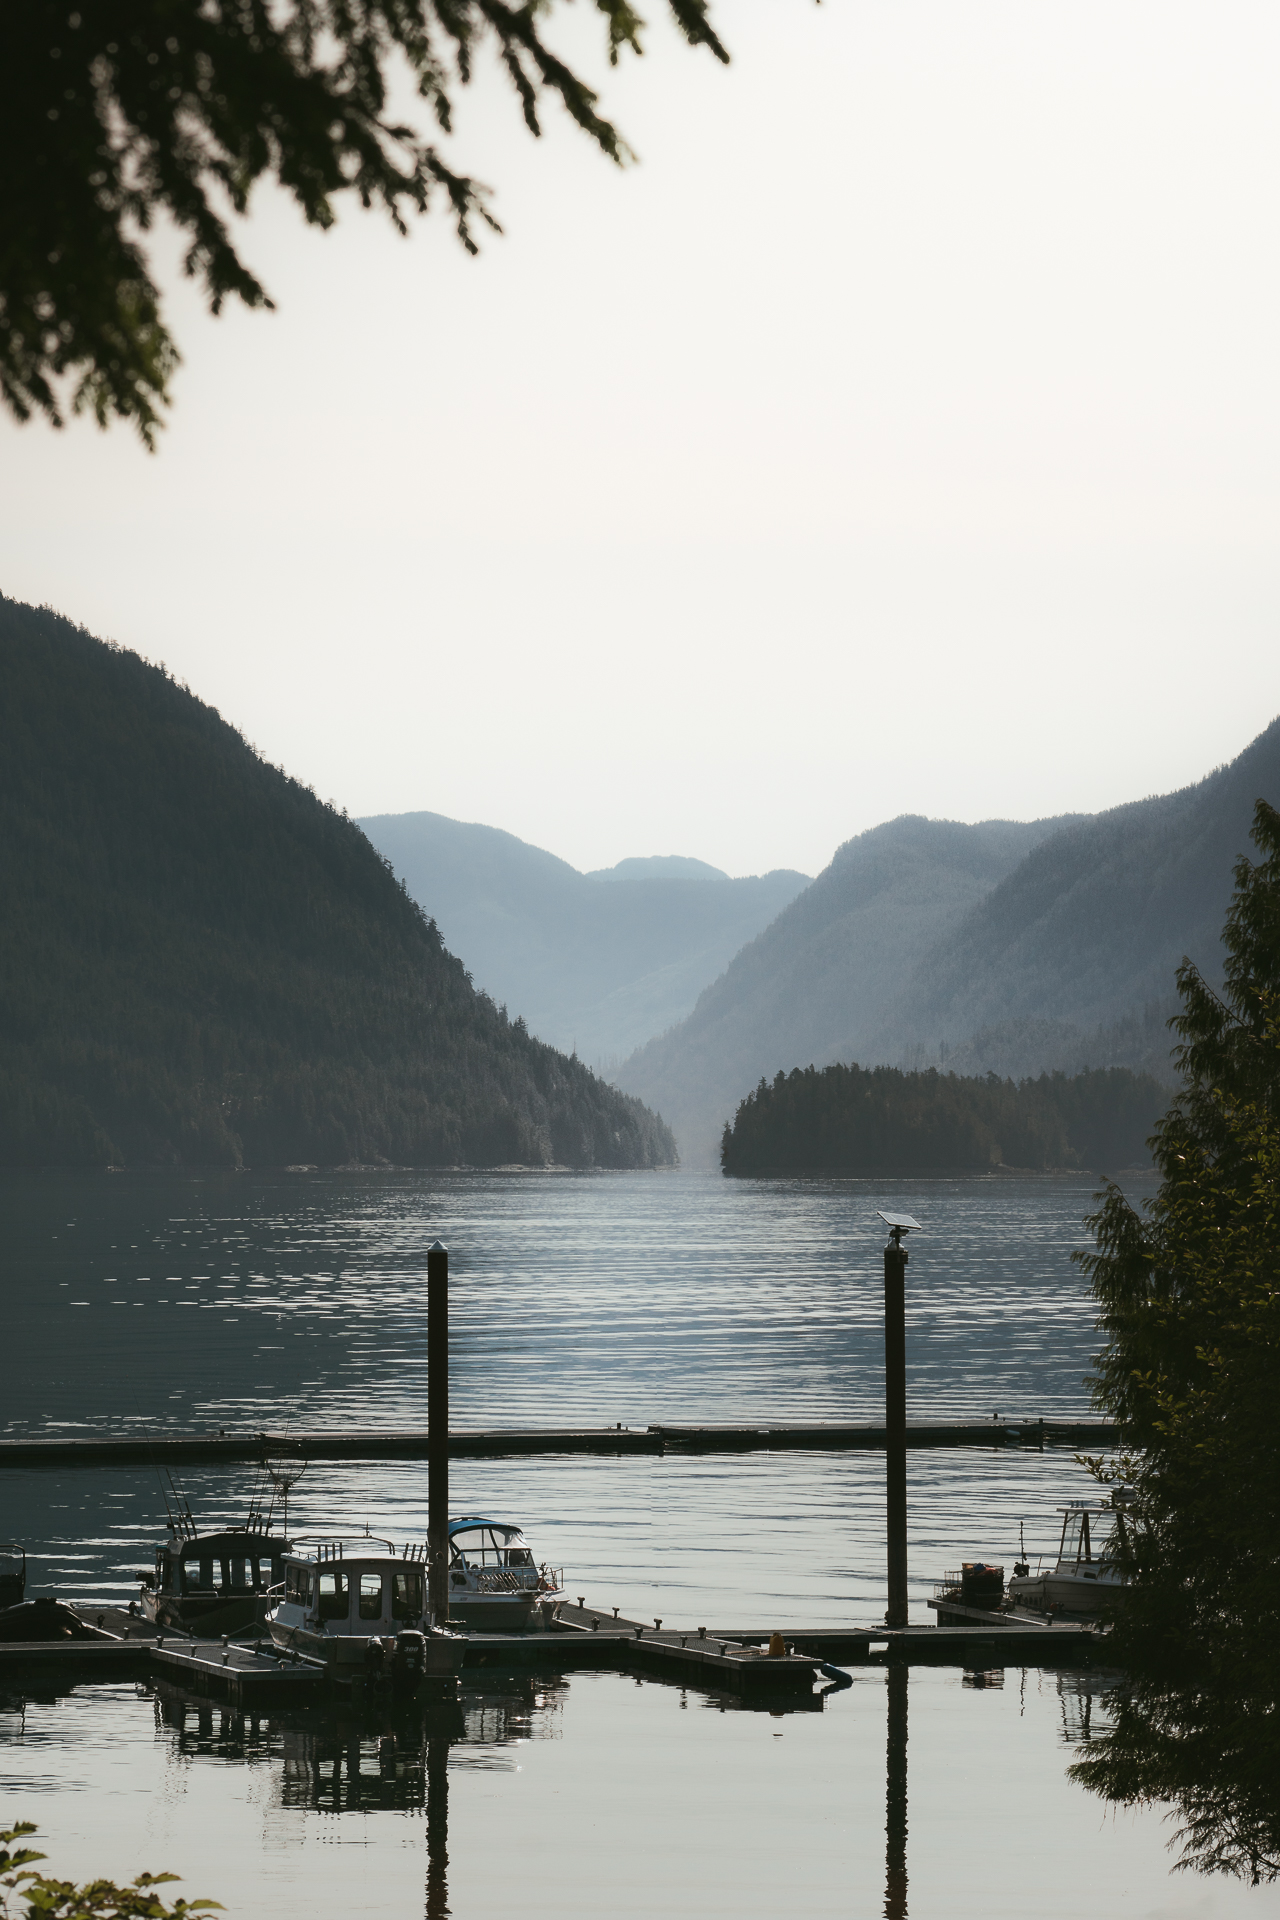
(202, 963)
(595, 962)
(830, 960)
(854, 1120)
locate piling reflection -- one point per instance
(895, 1810)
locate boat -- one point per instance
(495, 1583)
(208, 1584)
(1088, 1570)
(13, 1574)
(1086, 1573)
(360, 1608)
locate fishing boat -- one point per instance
(495, 1583)
(209, 1584)
(360, 1607)
(1087, 1572)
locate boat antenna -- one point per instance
(285, 1473)
(1022, 1545)
(181, 1519)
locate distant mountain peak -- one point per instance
(659, 866)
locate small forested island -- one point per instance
(855, 1120)
(203, 964)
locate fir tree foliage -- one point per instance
(203, 964)
(853, 1120)
(121, 113)
(1189, 1291)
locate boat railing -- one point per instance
(498, 1580)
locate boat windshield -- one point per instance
(490, 1547)
(1089, 1536)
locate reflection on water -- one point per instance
(895, 1802)
(1208, 1751)
(597, 1794)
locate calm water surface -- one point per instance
(244, 1302)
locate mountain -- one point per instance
(1014, 949)
(598, 962)
(659, 866)
(831, 959)
(1088, 929)
(202, 963)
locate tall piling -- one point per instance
(895, 1420)
(438, 1432)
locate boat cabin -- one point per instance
(341, 1587)
(482, 1546)
(1092, 1532)
(222, 1566)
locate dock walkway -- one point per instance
(169, 1449)
(581, 1638)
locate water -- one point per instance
(244, 1302)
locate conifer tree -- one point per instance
(1190, 1303)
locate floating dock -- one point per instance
(168, 1449)
(581, 1638)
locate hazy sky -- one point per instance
(902, 435)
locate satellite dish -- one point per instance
(284, 1474)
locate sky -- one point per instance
(901, 434)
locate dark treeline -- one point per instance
(850, 1120)
(201, 963)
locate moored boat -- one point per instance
(1088, 1570)
(358, 1606)
(495, 1583)
(1078, 1581)
(209, 1584)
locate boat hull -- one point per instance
(346, 1655)
(205, 1619)
(1064, 1592)
(498, 1612)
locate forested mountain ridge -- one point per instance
(200, 962)
(843, 947)
(1092, 924)
(1064, 961)
(595, 962)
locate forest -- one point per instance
(201, 963)
(859, 1120)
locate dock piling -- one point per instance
(895, 1420)
(438, 1432)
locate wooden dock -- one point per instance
(969, 1645)
(170, 1449)
(581, 1638)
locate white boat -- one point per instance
(361, 1608)
(495, 1583)
(1087, 1571)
